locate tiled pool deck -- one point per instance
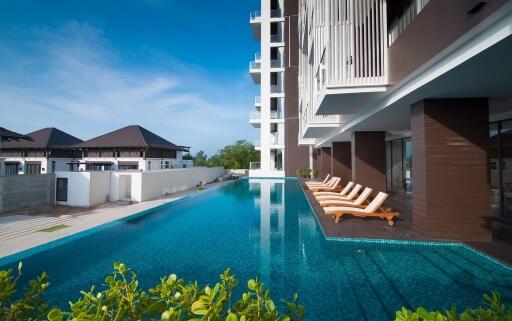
(353, 227)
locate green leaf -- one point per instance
(55, 315)
(232, 317)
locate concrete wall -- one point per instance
(87, 189)
(99, 187)
(158, 183)
(24, 191)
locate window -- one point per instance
(399, 166)
(11, 169)
(273, 78)
(274, 53)
(500, 155)
(53, 166)
(33, 168)
(128, 167)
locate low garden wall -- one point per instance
(25, 191)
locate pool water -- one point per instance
(265, 228)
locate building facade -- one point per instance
(275, 69)
(48, 151)
(129, 148)
(411, 97)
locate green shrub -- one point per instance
(492, 310)
(304, 172)
(122, 299)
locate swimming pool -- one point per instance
(265, 228)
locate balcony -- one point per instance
(257, 144)
(276, 115)
(276, 63)
(276, 39)
(353, 69)
(276, 89)
(255, 119)
(276, 13)
(255, 69)
(314, 126)
(255, 165)
(400, 24)
(257, 102)
(255, 21)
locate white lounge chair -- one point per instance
(373, 209)
(358, 202)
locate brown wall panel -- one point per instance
(295, 156)
(342, 160)
(369, 159)
(451, 195)
(439, 24)
(325, 161)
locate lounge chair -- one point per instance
(329, 182)
(317, 182)
(338, 196)
(373, 209)
(343, 192)
(358, 202)
(332, 187)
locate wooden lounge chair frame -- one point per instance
(374, 209)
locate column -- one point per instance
(369, 159)
(451, 195)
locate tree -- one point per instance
(236, 156)
(200, 159)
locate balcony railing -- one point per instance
(276, 63)
(257, 56)
(399, 25)
(255, 115)
(276, 13)
(276, 89)
(276, 115)
(255, 15)
(254, 165)
(310, 119)
(255, 65)
(257, 143)
(276, 139)
(350, 48)
(257, 100)
(276, 38)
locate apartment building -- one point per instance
(129, 148)
(46, 153)
(275, 69)
(412, 97)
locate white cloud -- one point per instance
(71, 78)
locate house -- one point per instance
(129, 148)
(398, 95)
(47, 152)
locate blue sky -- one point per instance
(177, 67)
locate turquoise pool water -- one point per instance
(265, 228)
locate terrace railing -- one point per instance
(254, 165)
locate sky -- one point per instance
(176, 67)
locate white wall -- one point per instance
(158, 183)
(99, 187)
(78, 188)
(87, 189)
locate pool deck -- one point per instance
(21, 230)
(353, 227)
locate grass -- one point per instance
(53, 228)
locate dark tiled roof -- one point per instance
(7, 135)
(44, 138)
(133, 136)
